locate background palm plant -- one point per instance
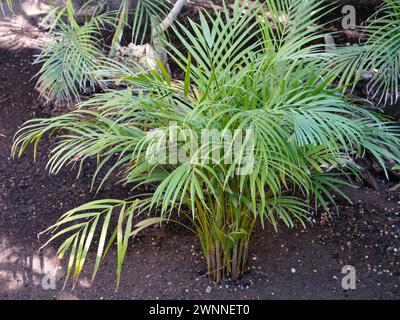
(378, 58)
(75, 54)
(72, 57)
(147, 14)
(247, 70)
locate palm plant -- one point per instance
(147, 13)
(72, 57)
(378, 59)
(71, 61)
(245, 71)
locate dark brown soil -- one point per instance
(165, 263)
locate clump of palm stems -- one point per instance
(246, 69)
(147, 14)
(378, 58)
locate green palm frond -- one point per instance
(147, 15)
(378, 58)
(72, 57)
(83, 223)
(383, 52)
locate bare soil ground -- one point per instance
(166, 263)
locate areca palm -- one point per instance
(245, 71)
(73, 57)
(147, 14)
(378, 58)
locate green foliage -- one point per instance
(145, 14)
(72, 57)
(244, 70)
(380, 55)
(96, 217)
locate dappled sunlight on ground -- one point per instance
(19, 268)
(17, 33)
(18, 27)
